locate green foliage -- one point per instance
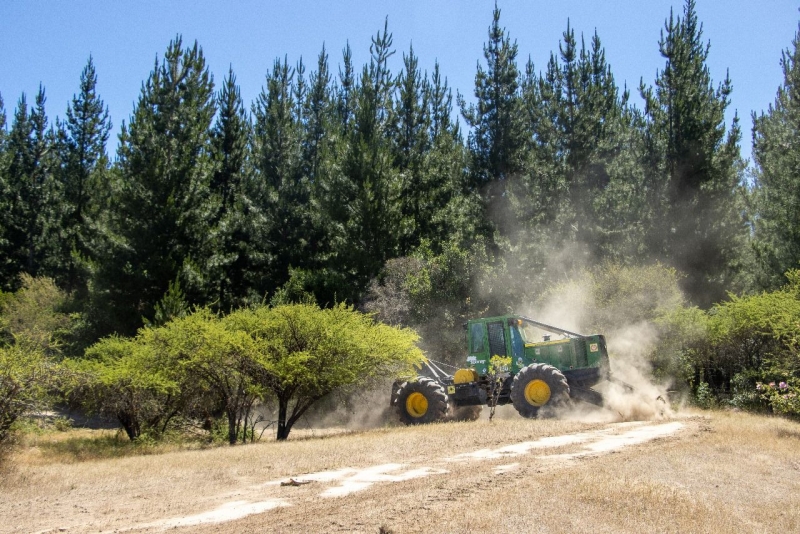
(693, 165)
(703, 396)
(34, 315)
(496, 374)
(745, 341)
(361, 197)
(233, 265)
(158, 229)
(217, 362)
(436, 294)
(285, 229)
(783, 398)
(303, 353)
(26, 379)
(172, 306)
(776, 145)
(127, 379)
(27, 193)
(745, 392)
(200, 366)
(83, 177)
(499, 136)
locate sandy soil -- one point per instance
(465, 477)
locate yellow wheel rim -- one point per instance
(537, 392)
(416, 404)
(464, 376)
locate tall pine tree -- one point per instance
(233, 265)
(284, 191)
(84, 182)
(365, 203)
(410, 132)
(498, 135)
(159, 229)
(776, 151)
(694, 165)
(28, 193)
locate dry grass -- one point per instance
(723, 472)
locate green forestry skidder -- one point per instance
(542, 374)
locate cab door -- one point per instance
(497, 339)
(478, 357)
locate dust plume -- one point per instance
(640, 398)
(363, 409)
(619, 303)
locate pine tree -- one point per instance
(592, 126)
(451, 205)
(367, 192)
(410, 133)
(287, 232)
(694, 164)
(346, 89)
(83, 180)
(776, 151)
(233, 263)
(159, 229)
(28, 192)
(498, 136)
(317, 110)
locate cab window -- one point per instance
(517, 344)
(476, 343)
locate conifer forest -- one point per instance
(346, 186)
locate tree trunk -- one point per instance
(232, 427)
(130, 424)
(283, 430)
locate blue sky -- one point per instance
(48, 42)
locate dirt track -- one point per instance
(625, 477)
(343, 482)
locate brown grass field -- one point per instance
(694, 472)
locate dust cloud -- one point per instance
(364, 409)
(632, 394)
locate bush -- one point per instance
(751, 339)
(26, 379)
(782, 398)
(745, 393)
(34, 313)
(203, 365)
(128, 380)
(704, 397)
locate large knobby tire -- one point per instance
(420, 402)
(537, 386)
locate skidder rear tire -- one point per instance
(420, 402)
(537, 386)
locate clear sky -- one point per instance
(49, 41)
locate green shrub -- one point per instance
(782, 397)
(751, 339)
(745, 395)
(704, 397)
(27, 377)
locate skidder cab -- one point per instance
(543, 372)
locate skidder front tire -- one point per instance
(420, 402)
(536, 386)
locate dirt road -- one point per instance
(559, 476)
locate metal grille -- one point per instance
(581, 360)
(497, 339)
